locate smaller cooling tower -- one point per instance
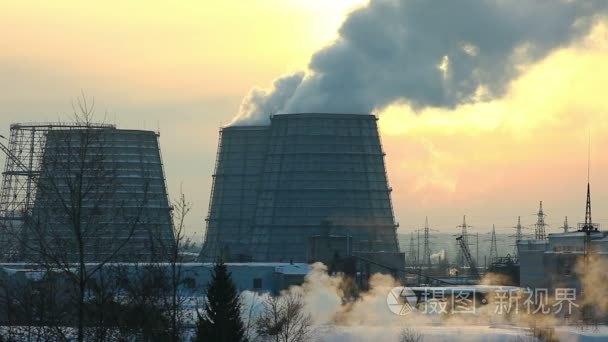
(99, 188)
(278, 190)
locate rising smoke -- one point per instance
(425, 53)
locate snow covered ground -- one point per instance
(457, 333)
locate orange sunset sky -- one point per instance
(184, 68)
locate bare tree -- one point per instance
(173, 301)
(410, 335)
(284, 319)
(181, 209)
(248, 309)
(84, 215)
(159, 287)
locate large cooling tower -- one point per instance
(305, 176)
(100, 185)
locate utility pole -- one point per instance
(539, 231)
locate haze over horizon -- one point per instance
(489, 146)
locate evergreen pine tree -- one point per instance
(220, 320)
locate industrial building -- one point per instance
(94, 186)
(564, 260)
(557, 261)
(306, 188)
(257, 277)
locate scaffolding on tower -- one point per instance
(24, 152)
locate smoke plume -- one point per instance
(437, 257)
(424, 53)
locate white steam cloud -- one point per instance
(436, 257)
(424, 53)
(368, 318)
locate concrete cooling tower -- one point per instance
(107, 184)
(297, 189)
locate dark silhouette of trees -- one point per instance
(220, 319)
(85, 219)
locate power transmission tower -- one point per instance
(460, 259)
(565, 227)
(493, 247)
(426, 255)
(412, 252)
(477, 246)
(518, 235)
(539, 227)
(418, 248)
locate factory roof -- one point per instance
(594, 235)
(533, 242)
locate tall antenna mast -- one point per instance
(588, 226)
(589, 160)
(588, 220)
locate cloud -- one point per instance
(426, 53)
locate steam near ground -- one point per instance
(369, 318)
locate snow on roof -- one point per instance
(467, 288)
(533, 242)
(302, 269)
(566, 235)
